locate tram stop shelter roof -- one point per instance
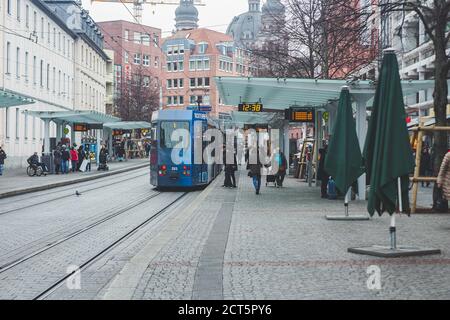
(8, 99)
(278, 94)
(127, 125)
(76, 116)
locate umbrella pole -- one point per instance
(392, 229)
(347, 197)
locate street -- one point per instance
(212, 244)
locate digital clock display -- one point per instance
(251, 107)
(300, 115)
(80, 127)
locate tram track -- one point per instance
(81, 190)
(45, 293)
(6, 266)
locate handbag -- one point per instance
(250, 174)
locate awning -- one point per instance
(274, 119)
(279, 94)
(76, 116)
(8, 99)
(127, 125)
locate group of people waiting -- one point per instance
(62, 155)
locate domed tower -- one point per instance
(245, 28)
(186, 15)
(273, 14)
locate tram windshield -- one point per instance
(167, 128)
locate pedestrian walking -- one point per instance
(57, 154)
(254, 165)
(2, 160)
(282, 167)
(87, 157)
(74, 159)
(230, 168)
(443, 180)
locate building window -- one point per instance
(8, 58)
(169, 101)
(48, 32)
(146, 60)
(41, 77)
(126, 57)
(180, 83)
(206, 100)
(137, 58)
(34, 70)
(169, 83)
(181, 100)
(25, 127)
(169, 66)
(137, 37)
(26, 66)
(193, 99)
(18, 10)
(199, 82)
(206, 65)
(156, 62)
(146, 81)
(42, 28)
(146, 39)
(202, 48)
(54, 37)
(59, 82)
(17, 122)
(48, 76)
(54, 79)
(206, 82)
(8, 6)
(18, 62)
(34, 128)
(34, 21)
(127, 35)
(27, 16)
(192, 83)
(7, 123)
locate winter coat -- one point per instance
(2, 157)
(57, 157)
(65, 155)
(103, 155)
(73, 155)
(444, 176)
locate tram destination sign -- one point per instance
(80, 127)
(250, 107)
(295, 114)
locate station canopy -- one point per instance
(8, 99)
(127, 125)
(76, 116)
(279, 93)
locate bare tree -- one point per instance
(435, 16)
(138, 96)
(319, 39)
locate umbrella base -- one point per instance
(347, 218)
(387, 252)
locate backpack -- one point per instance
(441, 203)
(331, 189)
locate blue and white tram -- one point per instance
(165, 171)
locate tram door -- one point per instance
(201, 173)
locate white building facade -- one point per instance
(37, 63)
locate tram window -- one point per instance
(167, 128)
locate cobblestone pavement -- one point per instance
(224, 243)
(280, 246)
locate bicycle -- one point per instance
(34, 171)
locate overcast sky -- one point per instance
(216, 15)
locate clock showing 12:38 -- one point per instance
(250, 107)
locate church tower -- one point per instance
(186, 15)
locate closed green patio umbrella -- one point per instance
(344, 161)
(388, 157)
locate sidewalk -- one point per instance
(234, 244)
(16, 181)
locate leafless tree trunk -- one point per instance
(138, 97)
(435, 16)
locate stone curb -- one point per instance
(69, 182)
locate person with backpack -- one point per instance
(282, 167)
(2, 160)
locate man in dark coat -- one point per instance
(57, 159)
(425, 165)
(322, 175)
(65, 157)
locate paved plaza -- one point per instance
(233, 244)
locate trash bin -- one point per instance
(48, 160)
